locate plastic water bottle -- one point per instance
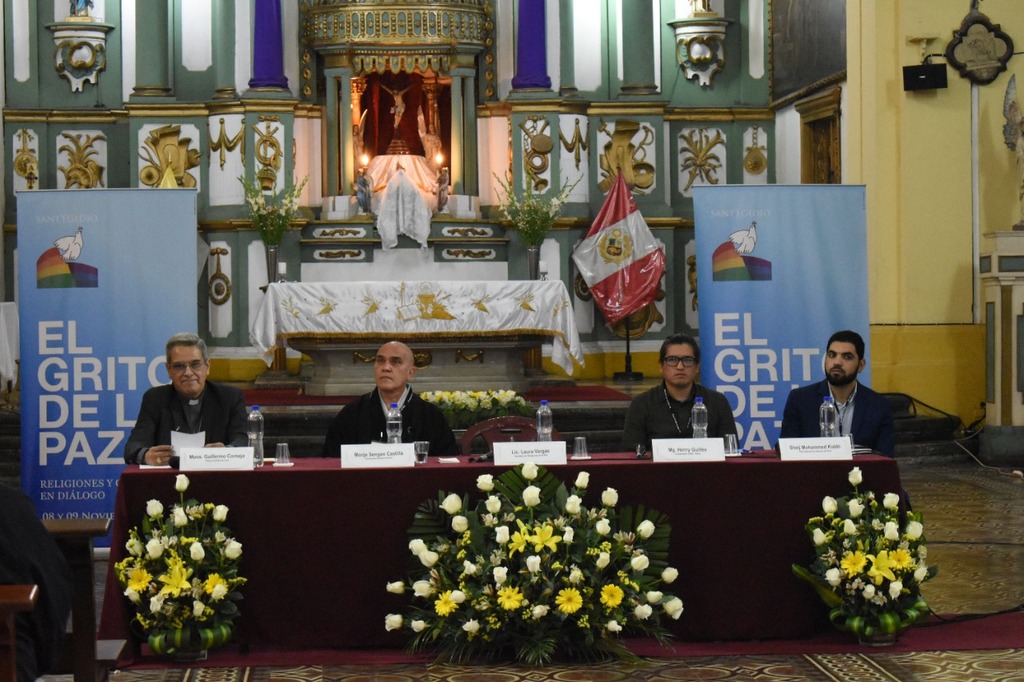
(699, 418)
(545, 422)
(394, 419)
(256, 435)
(827, 417)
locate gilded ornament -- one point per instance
(224, 144)
(576, 145)
(82, 170)
(26, 164)
(621, 153)
(165, 151)
(537, 146)
(468, 356)
(699, 159)
(219, 284)
(755, 160)
(268, 153)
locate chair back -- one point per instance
(480, 437)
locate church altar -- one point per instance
(465, 335)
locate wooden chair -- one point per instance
(500, 429)
(13, 598)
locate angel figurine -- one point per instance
(1013, 134)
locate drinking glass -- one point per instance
(579, 448)
(282, 458)
(421, 448)
(731, 448)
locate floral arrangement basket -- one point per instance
(462, 409)
(181, 575)
(531, 573)
(271, 219)
(871, 560)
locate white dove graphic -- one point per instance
(745, 240)
(70, 247)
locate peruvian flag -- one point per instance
(619, 259)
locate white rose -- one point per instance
(181, 483)
(393, 621)
(531, 496)
(819, 537)
(849, 527)
(529, 471)
(460, 523)
(892, 531)
(829, 505)
(895, 588)
(493, 504)
(220, 513)
(568, 534)
(500, 575)
(613, 626)
(653, 596)
(643, 611)
(539, 611)
(417, 547)
(856, 508)
(154, 548)
(471, 626)
(180, 517)
(196, 551)
(197, 608)
(501, 535)
(610, 497)
(834, 576)
(603, 527)
(582, 480)
(154, 508)
(469, 568)
(428, 558)
(602, 560)
(869, 592)
(452, 504)
(220, 590)
(573, 504)
(458, 596)
(418, 625)
(669, 575)
(233, 549)
(132, 595)
(640, 563)
(855, 476)
(674, 607)
(485, 482)
(533, 563)
(914, 529)
(422, 589)
(645, 529)
(891, 501)
(921, 573)
(575, 576)
(396, 587)
(135, 547)
(156, 603)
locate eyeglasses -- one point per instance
(673, 360)
(180, 367)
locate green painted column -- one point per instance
(152, 50)
(458, 167)
(224, 49)
(567, 56)
(471, 183)
(638, 58)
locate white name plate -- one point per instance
(515, 453)
(688, 450)
(815, 448)
(214, 459)
(378, 455)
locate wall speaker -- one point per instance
(924, 77)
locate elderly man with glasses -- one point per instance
(664, 411)
(190, 404)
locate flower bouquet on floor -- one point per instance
(462, 409)
(529, 572)
(181, 575)
(871, 562)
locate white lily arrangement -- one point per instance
(464, 408)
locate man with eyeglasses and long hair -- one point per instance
(664, 411)
(189, 404)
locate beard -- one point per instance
(843, 380)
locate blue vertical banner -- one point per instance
(105, 277)
(779, 269)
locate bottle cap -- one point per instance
(698, 399)
(394, 405)
(255, 408)
(543, 402)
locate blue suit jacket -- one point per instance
(872, 417)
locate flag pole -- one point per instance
(628, 374)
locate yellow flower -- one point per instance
(213, 582)
(445, 605)
(545, 537)
(611, 595)
(139, 579)
(517, 543)
(853, 563)
(900, 559)
(509, 598)
(881, 567)
(176, 578)
(569, 600)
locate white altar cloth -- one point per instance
(414, 311)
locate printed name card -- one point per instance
(378, 455)
(515, 453)
(688, 450)
(214, 459)
(815, 448)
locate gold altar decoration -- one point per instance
(622, 153)
(82, 170)
(537, 146)
(223, 144)
(268, 152)
(26, 161)
(165, 149)
(699, 158)
(577, 145)
(700, 43)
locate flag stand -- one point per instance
(629, 374)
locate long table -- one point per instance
(321, 542)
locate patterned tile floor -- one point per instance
(975, 524)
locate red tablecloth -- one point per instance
(321, 542)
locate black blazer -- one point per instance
(872, 417)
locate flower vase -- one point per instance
(533, 260)
(272, 257)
